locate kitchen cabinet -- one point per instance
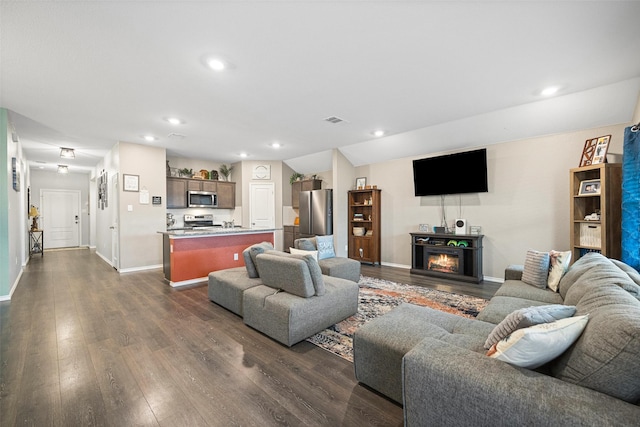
(291, 233)
(304, 185)
(226, 194)
(177, 191)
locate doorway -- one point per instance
(262, 205)
(60, 218)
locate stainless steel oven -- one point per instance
(202, 199)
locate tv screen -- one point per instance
(451, 174)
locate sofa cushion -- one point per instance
(312, 264)
(250, 254)
(525, 317)
(536, 345)
(345, 268)
(288, 273)
(606, 357)
(518, 289)
(536, 269)
(501, 306)
(325, 247)
(559, 264)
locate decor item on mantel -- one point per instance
(595, 151)
(213, 175)
(225, 171)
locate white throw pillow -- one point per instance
(294, 251)
(534, 346)
(559, 265)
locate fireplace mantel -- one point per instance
(451, 256)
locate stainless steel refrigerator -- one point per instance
(316, 213)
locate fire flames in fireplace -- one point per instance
(445, 263)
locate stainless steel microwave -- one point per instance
(202, 199)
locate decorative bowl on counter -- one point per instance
(358, 231)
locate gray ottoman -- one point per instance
(345, 268)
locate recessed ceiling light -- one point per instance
(174, 120)
(378, 133)
(243, 154)
(216, 64)
(549, 91)
(149, 138)
(276, 145)
(63, 169)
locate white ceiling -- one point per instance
(435, 75)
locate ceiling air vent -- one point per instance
(176, 136)
(335, 120)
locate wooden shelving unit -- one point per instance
(596, 235)
(364, 211)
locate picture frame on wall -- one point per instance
(589, 186)
(131, 182)
(361, 183)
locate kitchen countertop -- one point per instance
(214, 231)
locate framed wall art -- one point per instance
(595, 151)
(361, 183)
(131, 182)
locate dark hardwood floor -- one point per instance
(81, 345)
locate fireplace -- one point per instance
(445, 260)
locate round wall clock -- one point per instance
(262, 172)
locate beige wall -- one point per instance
(527, 205)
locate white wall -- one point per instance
(527, 205)
(49, 180)
(13, 218)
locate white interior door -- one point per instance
(262, 205)
(60, 218)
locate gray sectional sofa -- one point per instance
(435, 363)
(282, 295)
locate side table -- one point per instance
(36, 242)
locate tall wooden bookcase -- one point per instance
(364, 211)
(596, 189)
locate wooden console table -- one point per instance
(451, 256)
(36, 242)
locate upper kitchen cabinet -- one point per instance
(226, 194)
(177, 192)
(304, 185)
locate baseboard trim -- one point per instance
(390, 264)
(13, 287)
(143, 268)
(187, 282)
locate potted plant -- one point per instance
(225, 171)
(295, 177)
(186, 172)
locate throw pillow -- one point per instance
(294, 251)
(325, 247)
(559, 262)
(526, 317)
(306, 244)
(536, 345)
(250, 254)
(536, 269)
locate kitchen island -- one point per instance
(190, 255)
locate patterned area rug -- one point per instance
(377, 297)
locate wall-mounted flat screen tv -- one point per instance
(451, 174)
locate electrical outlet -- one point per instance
(235, 257)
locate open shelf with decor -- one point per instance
(364, 225)
(596, 198)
